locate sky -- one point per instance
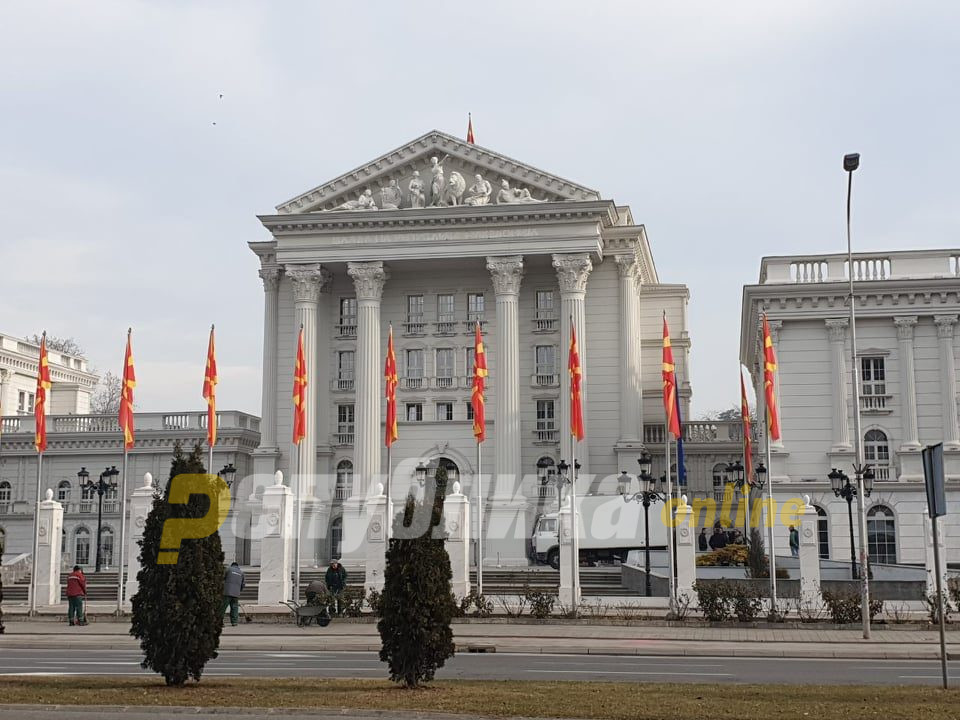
(129, 187)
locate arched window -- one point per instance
(336, 537)
(453, 471)
(881, 534)
(81, 546)
(546, 475)
(344, 487)
(106, 546)
(823, 533)
(6, 497)
(63, 491)
(876, 452)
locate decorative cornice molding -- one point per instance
(307, 281)
(368, 279)
(945, 325)
(572, 271)
(837, 328)
(506, 271)
(905, 325)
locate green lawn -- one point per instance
(633, 701)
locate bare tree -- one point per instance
(105, 399)
(68, 346)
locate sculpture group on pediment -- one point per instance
(478, 193)
(416, 190)
(390, 196)
(509, 195)
(363, 202)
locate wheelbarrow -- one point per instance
(306, 614)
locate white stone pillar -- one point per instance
(456, 514)
(837, 330)
(506, 273)
(266, 455)
(276, 547)
(572, 272)
(368, 278)
(809, 555)
(948, 380)
(49, 526)
(569, 591)
(908, 383)
(631, 395)
(686, 551)
(5, 407)
(929, 562)
(376, 545)
(141, 502)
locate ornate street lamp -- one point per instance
(843, 488)
(421, 472)
(227, 472)
(650, 492)
(102, 486)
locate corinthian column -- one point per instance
(631, 395)
(368, 278)
(506, 273)
(308, 280)
(837, 330)
(908, 383)
(270, 274)
(5, 376)
(572, 272)
(948, 380)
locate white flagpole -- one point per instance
(479, 524)
(574, 528)
(36, 539)
(296, 532)
(672, 591)
(123, 532)
(770, 515)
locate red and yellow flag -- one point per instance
(129, 382)
(390, 375)
(40, 400)
(769, 368)
(576, 375)
(210, 391)
(470, 129)
(479, 383)
(747, 439)
(670, 384)
(300, 394)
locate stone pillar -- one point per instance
(265, 456)
(837, 330)
(908, 383)
(368, 278)
(809, 555)
(49, 526)
(506, 273)
(569, 591)
(948, 381)
(572, 272)
(376, 545)
(631, 393)
(929, 563)
(276, 547)
(5, 407)
(686, 558)
(141, 502)
(456, 514)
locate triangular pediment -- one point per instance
(389, 177)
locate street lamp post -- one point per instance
(843, 488)
(105, 483)
(227, 472)
(562, 478)
(650, 492)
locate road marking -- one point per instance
(629, 672)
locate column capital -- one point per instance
(775, 327)
(573, 269)
(945, 325)
(270, 274)
(837, 327)
(506, 272)
(5, 374)
(628, 266)
(905, 325)
(368, 279)
(308, 280)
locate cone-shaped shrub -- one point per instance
(177, 611)
(416, 606)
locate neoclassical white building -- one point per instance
(430, 238)
(908, 304)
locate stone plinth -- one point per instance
(456, 514)
(276, 547)
(141, 502)
(809, 555)
(686, 556)
(47, 566)
(376, 545)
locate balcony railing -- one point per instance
(343, 439)
(445, 327)
(545, 321)
(343, 384)
(86, 506)
(701, 431)
(882, 473)
(414, 326)
(875, 403)
(347, 328)
(10, 425)
(341, 492)
(545, 435)
(444, 383)
(546, 492)
(413, 383)
(867, 267)
(545, 379)
(108, 424)
(471, 323)
(6, 508)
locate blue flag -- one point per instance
(681, 470)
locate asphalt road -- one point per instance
(493, 666)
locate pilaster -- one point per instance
(631, 393)
(908, 383)
(837, 331)
(5, 406)
(266, 455)
(948, 380)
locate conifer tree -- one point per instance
(417, 604)
(177, 610)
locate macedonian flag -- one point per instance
(210, 391)
(576, 376)
(479, 382)
(129, 382)
(747, 438)
(769, 368)
(670, 384)
(390, 376)
(300, 394)
(40, 400)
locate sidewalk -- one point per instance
(557, 638)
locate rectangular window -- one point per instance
(874, 376)
(546, 364)
(468, 352)
(446, 309)
(414, 324)
(414, 369)
(546, 420)
(345, 419)
(469, 410)
(546, 317)
(445, 411)
(445, 367)
(414, 412)
(348, 316)
(474, 307)
(346, 364)
(25, 403)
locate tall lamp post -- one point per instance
(562, 478)
(650, 492)
(735, 474)
(106, 482)
(843, 488)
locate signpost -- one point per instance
(937, 506)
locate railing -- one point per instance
(108, 424)
(16, 568)
(701, 431)
(86, 506)
(866, 267)
(341, 492)
(414, 326)
(444, 383)
(343, 384)
(874, 403)
(955, 264)
(343, 439)
(86, 423)
(445, 327)
(545, 321)
(807, 271)
(546, 492)
(347, 328)
(547, 435)
(546, 379)
(6, 508)
(10, 424)
(882, 473)
(179, 421)
(471, 324)
(413, 383)
(111, 506)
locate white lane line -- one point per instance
(921, 677)
(629, 672)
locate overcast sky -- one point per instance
(722, 124)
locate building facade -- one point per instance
(432, 238)
(72, 380)
(907, 304)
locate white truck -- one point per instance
(609, 528)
